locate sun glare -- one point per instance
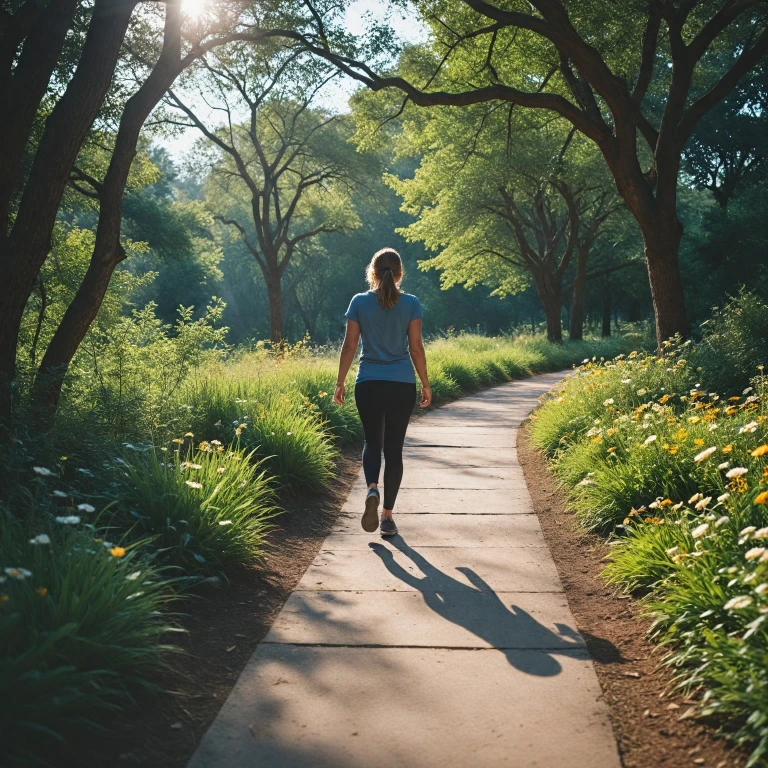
(194, 9)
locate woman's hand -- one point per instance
(339, 393)
(426, 396)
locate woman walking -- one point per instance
(389, 323)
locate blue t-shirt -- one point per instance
(384, 334)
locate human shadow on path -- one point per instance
(478, 609)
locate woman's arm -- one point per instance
(348, 349)
(419, 357)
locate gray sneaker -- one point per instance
(388, 527)
(371, 514)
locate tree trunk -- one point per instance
(662, 246)
(576, 319)
(606, 329)
(551, 301)
(22, 254)
(275, 298)
(107, 252)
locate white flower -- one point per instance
(740, 601)
(42, 471)
(700, 530)
(215, 442)
(225, 522)
(18, 573)
(736, 472)
(60, 494)
(650, 439)
(695, 498)
(761, 589)
(749, 529)
(86, 508)
(705, 454)
(723, 496)
(585, 481)
(133, 576)
(703, 503)
(642, 391)
(747, 391)
(751, 427)
(68, 520)
(608, 402)
(85, 472)
(672, 551)
(289, 433)
(626, 381)
(193, 484)
(221, 470)
(712, 427)
(41, 538)
(761, 533)
(724, 465)
(722, 521)
(754, 553)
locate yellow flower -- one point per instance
(728, 448)
(63, 458)
(682, 433)
(665, 399)
(322, 394)
(762, 498)
(730, 410)
(611, 449)
(242, 426)
(693, 419)
(698, 441)
(673, 450)
(761, 450)
(117, 552)
(42, 591)
(734, 399)
(666, 503)
(177, 440)
(189, 434)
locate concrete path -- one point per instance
(451, 645)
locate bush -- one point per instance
(677, 474)
(203, 509)
(80, 633)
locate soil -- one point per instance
(225, 623)
(653, 727)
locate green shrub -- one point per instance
(202, 510)
(80, 633)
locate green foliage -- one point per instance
(80, 633)
(200, 510)
(677, 473)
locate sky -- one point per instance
(336, 94)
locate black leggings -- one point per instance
(385, 408)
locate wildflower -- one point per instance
(761, 498)
(673, 450)
(761, 450)
(642, 391)
(724, 465)
(178, 441)
(666, 503)
(190, 465)
(193, 484)
(723, 496)
(695, 498)
(728, 448)
(751, 427)
(650, 439)
(736, 472)
(761, 533)
(698, 441)
(41, 538)
(215, 442)
(68, 520)
(665, 399)
(761, 589)
(611, 449)
(722, 521)
(673, 551)
(117, 552)
(730, 410)
(750, 529)
(221, 470)
(703, 503)
(59, 494)
(754, 553)
(747, 391)
(86, 508)
(42, 591)
(18, 573)
(585, 481)
(705, 454)
(322, 394)
(608, 402)
(225, 522)
(700, 530)
(740, 601)
(133, 576)
(42, 471)
(189, 434)
(626, 381)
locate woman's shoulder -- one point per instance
(410, 297)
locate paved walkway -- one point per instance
(451, 645)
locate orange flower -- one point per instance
(666, 503)
(728, 448)
(698, 441)
(42, 591)
(762, 498)
(761, 450)
(117, 552)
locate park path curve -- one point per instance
(450, 645)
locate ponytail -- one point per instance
(384, 275)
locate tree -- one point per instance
(283, 176)
(506, 205)
(594, 70)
